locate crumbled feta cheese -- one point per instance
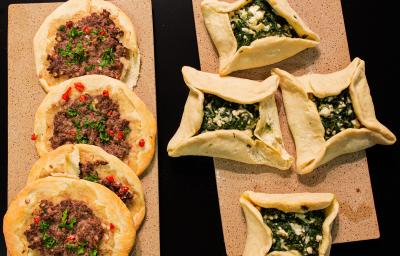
(298, 230)
(248, 31)
(318, 238)
(309, 250)
(326, 110)
(282, 232)
(356, 123)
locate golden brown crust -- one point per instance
(64, 161)
(104, 203)
(44, 39)
(260, 52)
(141, 121)
(265, 147)
(305, 123)
(259, 235)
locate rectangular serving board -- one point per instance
(25, 95)
(346, 176)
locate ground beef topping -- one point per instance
(92, 120)
(88, 46)
(88, 172)
(67, 228)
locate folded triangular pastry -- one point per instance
(288, 224)
(255, 33)
(231, 118)
(330, 115)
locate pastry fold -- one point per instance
(259, 236)
(305, 121)
(263, 146)
(260, 52)
(66, 161)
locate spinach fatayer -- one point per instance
(231, 118)
(330, 115)
(288, 224)
(255, 33)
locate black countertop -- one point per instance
(189, 211)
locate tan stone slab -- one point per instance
(346, 176)
(25, 95)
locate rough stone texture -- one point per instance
(346, 176)
(25, 95)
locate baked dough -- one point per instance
(64, 161)
(305, 123)
(104, 203)
(259, 235)
(260, 52)
(131, 108)
(267, 146)
(74, 10)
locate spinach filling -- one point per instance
(257, 20)
(337, 113)
(295, 231)
(220, 114)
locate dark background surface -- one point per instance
(189, 212)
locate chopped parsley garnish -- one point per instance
(107, 58)
(64, 219)
(78, 249)
(43, 226)
(71, 112)
(65, 52)
(61, 28)
(220, 114)
(105, 138)
(89, 68)
(92, 177)
(74, 32)
(93, 252)
(48, 241)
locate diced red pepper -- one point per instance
(110, 113)
(124, 189)
(79, 86)
(141, 143)
(111, 132)
(66, 94)
(120, 135)
(103, 31)
(110, 178)
(70, 24)
(72, 132)
(34, 136)
(106, 93)
(36, 219)
(86, 29)
(71, 238)
(112, 227)
(82, 98)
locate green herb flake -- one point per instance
(107, 58)
(71, 224)
(48, 241)
(89, 68)
(61, 28)
(74, 32)
(64, 219)
(71, 112)
(43, 226)
(92, 177)
(93, 252)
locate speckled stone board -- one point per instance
(25, 95)
(346, 176)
